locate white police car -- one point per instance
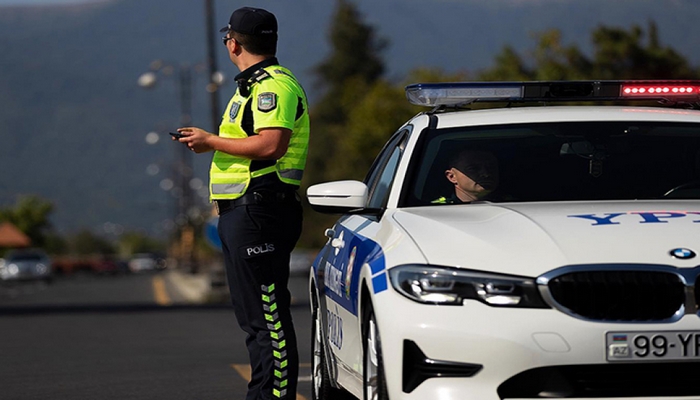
(575, 279)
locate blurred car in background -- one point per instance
(142, 262)
(109, 265)
(26, 265)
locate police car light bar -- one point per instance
(461, 93)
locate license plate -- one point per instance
(652, 346)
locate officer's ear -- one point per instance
(237, 48)
(232, 45)
(450, 174)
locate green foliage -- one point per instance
(56, 244)
(87, 243)
(352, 66)
(355, 51)
(618, 54)
(382, 110)
(345, 77)
(509, 65)
(135, 242)
(622, 55)
(31, 216)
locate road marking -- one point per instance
(159, 292)
(193, 287)
(244, 371)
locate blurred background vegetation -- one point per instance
(359, 107)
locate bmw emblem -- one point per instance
(682, 254)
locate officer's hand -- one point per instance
(196, 139)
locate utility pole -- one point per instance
(213, 86)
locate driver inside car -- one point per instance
(474, 175)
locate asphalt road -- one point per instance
(90, 337)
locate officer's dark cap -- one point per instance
(252, 21)
(466, 159)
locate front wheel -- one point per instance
(373, 371)
(320, 379)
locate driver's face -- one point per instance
(482, 171)
(466, 188)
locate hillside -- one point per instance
(73, 121)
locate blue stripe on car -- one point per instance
(331, 269)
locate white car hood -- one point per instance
(532, 238)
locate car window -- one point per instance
(567, 161)
(26, 256)
(382, 173)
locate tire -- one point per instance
(321, 388)
(374, 381)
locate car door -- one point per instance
(352, 244)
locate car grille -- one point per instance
(619, 295)
(607, 380)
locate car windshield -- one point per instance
(566, 161)
(25, 256)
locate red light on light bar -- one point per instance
(659, 90)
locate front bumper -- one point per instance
(24, 272)
(522, 353)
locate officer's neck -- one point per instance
(247, 73)
(247, 60)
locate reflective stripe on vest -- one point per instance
(294, 174)
(230, 188)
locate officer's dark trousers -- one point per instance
(257, 242)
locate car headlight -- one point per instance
(41, 269)
(8, 270)
(452, 286)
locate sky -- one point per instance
(37, 2)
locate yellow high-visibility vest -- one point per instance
(278, 101)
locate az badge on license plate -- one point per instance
(652, 346)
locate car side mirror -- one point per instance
(339, 197)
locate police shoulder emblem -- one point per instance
(267, 101)
(233, 112)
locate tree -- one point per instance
(382, 111)
(86, 243)
(135, 242)
(31, 216)
(345, 76)
(353, 63)
(622, 55)
(352, 66)
(618, 54)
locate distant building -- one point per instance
(12, 237)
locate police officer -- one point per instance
(259, 158)
(474, 175)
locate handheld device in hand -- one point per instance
(177, 135)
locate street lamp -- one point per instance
(166, 183)
(184, 79)
(184, 169)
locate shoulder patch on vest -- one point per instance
(267, 101)
(233, 112)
